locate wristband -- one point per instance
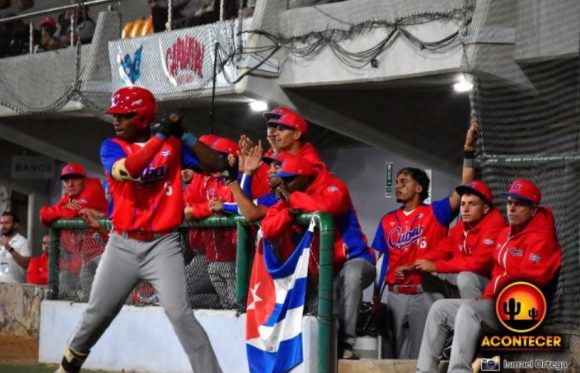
(468, 163)
(189, 139)
(469, 154)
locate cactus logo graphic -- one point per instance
(521, 307)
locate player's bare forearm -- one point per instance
(247, 207)
(21, 260)
(208, 158)
(468, 171)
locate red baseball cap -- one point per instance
(525, 190)
(72, 169)
(225, 145)
(286, 117)
(477, 187)
(280, 157)
(295, 166)
(48, 21)
(208, 139)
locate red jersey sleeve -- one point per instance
(276, 221)
(333, 199)
(260, 185)
(195, 197)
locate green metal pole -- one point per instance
(325, 293)
(325, 289)
(242, 268)
(53, 256)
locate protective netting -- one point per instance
(527, 110)
(210, 284)
(174, 64)
(80, 252)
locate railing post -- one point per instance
(53, 257)
(325, 294)
(242, 268)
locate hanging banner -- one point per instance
(177, 61)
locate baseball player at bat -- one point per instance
(143, 165)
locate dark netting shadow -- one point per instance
(531, 131)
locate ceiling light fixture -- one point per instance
(463, 85)
(258, 105)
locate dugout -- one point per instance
(371, 99)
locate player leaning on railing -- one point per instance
(143, 172)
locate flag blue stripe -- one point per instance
(288, 356)
(286, 269)
(294, 299)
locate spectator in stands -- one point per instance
(80, 251)
(20, 42)
(405, 235)
(189, 13)
(460, 265)
(249, 8)
(286, 133)
(37, 272)
(14, 250)
(47, 30)
(84, 26)
(5, 38)
(208, 195)
(526, 250)
(308, 187)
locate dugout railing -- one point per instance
(244, 253)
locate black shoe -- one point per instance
(346, 352)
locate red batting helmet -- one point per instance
(135, 100)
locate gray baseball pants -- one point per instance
(354, 276)
(406, 319)
(468, 319)
(223, 279)
(124, 263)
(464, 285)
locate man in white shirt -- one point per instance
(14, 250)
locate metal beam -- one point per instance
(43, 147)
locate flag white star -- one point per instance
(255, 297)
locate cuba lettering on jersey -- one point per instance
(405, 238)
(154, 202)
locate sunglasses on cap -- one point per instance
(280, 127)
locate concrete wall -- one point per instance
(20, 309)
(142, 339)
(363, 170)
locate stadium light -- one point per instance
(463, 85)
(258, 105)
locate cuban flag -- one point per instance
(275, 307)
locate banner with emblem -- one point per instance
(177, 61)
(275, 307)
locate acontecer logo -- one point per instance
(521, 307)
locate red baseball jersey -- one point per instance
(404, 238)
(219, 244)
(154, 202)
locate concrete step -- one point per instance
(377, 366)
